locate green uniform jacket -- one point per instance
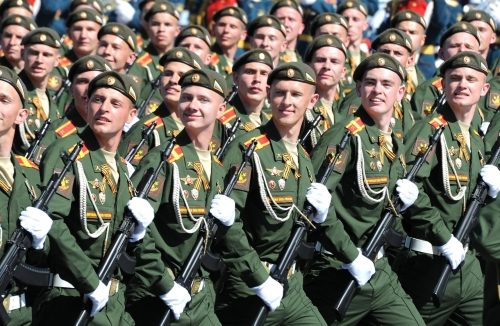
(220, 63)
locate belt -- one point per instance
(424, 246)
(319, 248)
(58, 282)
(196, 286)
(270, 267)
(14, 302)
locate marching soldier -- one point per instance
(267, 33)
(41, 55)
(374, 161)
(445, 187)
(269, 196)
(19, 187)
(14, 28)
(88, 208)
(196, 39)
(290, 14)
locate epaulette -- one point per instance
(355, 125)
(438, 83)
(262, 141)
(66, 129)
(176, 154)
(215, 59)
(157, 119)
(144, 59)
(438, 121)
(83, 152)
(228, 115)
(24, 162)
(65, 62)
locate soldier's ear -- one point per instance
(485, 89)
(22, 115)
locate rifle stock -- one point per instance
(110, 261)
(144, 105)
(39, 136)
(310, 129)
(232, 131)
(145, 136)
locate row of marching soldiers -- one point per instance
(326, 144)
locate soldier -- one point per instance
(459, 37)
(88, 208)
(331, 24)
(326, 55)
(16, 7)
(486, 28)
(374, 159)
(290, 13)
(19, 187)
(267, 33)
(176, 63)
(229, 29)
(250, 75)
(196, 39)
(269, 196)
(14, 28)
(445, 187)
(41, 56)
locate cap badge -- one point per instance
(290, 73)
(111, 81)
(43, 37)
(90, 64)
(115, 29)
(466, 59)
(195, 78)
(262, 56)
(392, 37)
(381, 61)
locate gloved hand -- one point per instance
(223, 209)
(36, 222)
(484, 127)
(176, 299)
(318, 195)
(361, 268)
(491, 175)
(99, 298)
(407, 191)
(454, 251)
(143, 213)
(271, 292)
(124, 12)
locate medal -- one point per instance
(379, 166)
(373, 166)
(458, 162)
(281, 184)
(102, 198)
(186, 194)
(194, 194)
(272, 184)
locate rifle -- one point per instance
(20, 241)
(465, 225)
(110, 261)
(145, 136)
(379, 236)
(144, 105)
(439, 102)
(310, 129)
(295, 242)
(39, 136)
(232, 130)
(194, 260)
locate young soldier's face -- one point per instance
(40, 60)
(457, 43)
(398, 52)
(415, 31)
(197, 46)
(116, 52)
(289, 100)
(292, 20)
(334, 29)
(169, 81)
(162, 30)
(108, 111)
(12, 35)
(464, 86)
(83, 33)
(379, 89)
(79, 88)
(328, 64)
(251, 79)
(269, 39)
(357, 23)
(486, 34)
(228, 31)
(12, 112)
(199, 107)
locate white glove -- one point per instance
(36, 222)
(484, 127)
(124, 12)
(361, 268)
(491, 175)
(99, 298)
(407, 191)
(176, 299)
(454, 251)
(271, 292)
(143, 213)
(318, 195)
(223, 209)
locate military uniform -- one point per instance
(26, 22)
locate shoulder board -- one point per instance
(228, 115)
(144, 59)
(83, 152)
(24, 162)
(66, 129)
(438, 83)
(438, 121)
(215, 59)
(176, 154)
(65, 62)
(158, 120)
(355, 125)
(262, 141)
